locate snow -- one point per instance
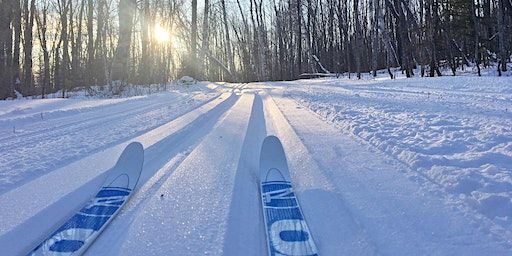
(405, 166)
(386, 212)
(192, 215)
(67, 132)
(456, 133)
(16, 110)
(186, 80)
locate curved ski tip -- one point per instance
(135, 147)
(271, 144)
(271, 139)
(272, 150)
(132, 154)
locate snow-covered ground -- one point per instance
(452, 132)
(416, 166)
(38, 136)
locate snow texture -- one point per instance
(455, 133)
(415, 166)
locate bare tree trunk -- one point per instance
(205, 37)
(476, 41)
(501, 37)
(120, 66)
(358, 41)
(76, 49)
(398, 12)
(432, 32)
(262, 41)
(280, 41)
(331, 52)
(420, 38)
(256, 47)
(16, 79)
(41, 28)
(100, 54)
(309, 33)
(231, 61)
(374, 34)
(348, 41)
(246, 59)
(388, 45)
(290, 44)
(193, 46)
(145, 67)
(64, 38)
(299, 37)
(27, 45)
(90, 43)
(6, 31)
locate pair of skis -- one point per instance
(286, 228)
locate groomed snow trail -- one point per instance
(55, 142)
(46, 202)
(189, 213)
(455, 132)
(198, 193)
(396, 215)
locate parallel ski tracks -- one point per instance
(62, 122)
(163, 160)
(249, 200)
(85, 123)
(166, 147)
(110, 118)
(172, 158)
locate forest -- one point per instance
(59, 45)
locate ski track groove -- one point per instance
(61, 123)
(185, 223)
(332, 204)
(178, 109)
(246, 210)
(171, 151)
(81, 124)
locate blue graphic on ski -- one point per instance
(286, 228)
(80, 231)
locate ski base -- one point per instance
(80, 231)
(286, 228)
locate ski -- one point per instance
(80, 231)
(286, 228)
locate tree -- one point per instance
(231, 61)
(193, 45)
(120, 66)
(81, 43)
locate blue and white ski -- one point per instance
(287, 231)
(80, 231)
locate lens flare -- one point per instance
(161, 34)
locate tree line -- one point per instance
(51, 45)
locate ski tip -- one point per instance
(271, 139)
(135, 146)
(273, 164)
(133, 155)
(271, 149)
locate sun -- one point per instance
(161, 34)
